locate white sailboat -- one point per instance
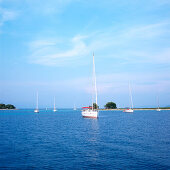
(74, 107)
(54, 110)
(91, 112)
(158, 109)
(130, 109)
(36, 110)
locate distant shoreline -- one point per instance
(9, 109)
(121, 109)
(136, 109)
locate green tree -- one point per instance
(10, 106)
(2, 106)
(110, 105)
(95, 106)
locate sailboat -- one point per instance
(130, 110)
(91, 112)
(54, 110)
(36, 110)
(74, 107)
(158, 109)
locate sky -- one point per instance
(47, 46)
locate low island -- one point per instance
(7, 106)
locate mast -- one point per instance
(131, 101)
(54, 103)
(158, 101)
(94, 82)
(74, 107)
(37, 102)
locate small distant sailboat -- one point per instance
(158, 109)
(91, 112)
(36, 110)
(130, 110)
(74, 107)
(54, 110)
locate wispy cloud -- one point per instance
(123, 37)
(6, 15)
(41, 43)
(48, 52)
(135, 43)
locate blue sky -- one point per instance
(47, 46)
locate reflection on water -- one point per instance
(92, 140)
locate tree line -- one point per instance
(108, 105)
(7, 106)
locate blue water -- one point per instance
(65, 140)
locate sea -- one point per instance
(66, 140)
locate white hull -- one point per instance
(54, 110)
(36, 111)
(128, 110)
(90, 113)
(158, 110)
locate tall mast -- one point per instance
(54, 103)
(158, 101)
(94, 80)
(37, 101)
(131, 101)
